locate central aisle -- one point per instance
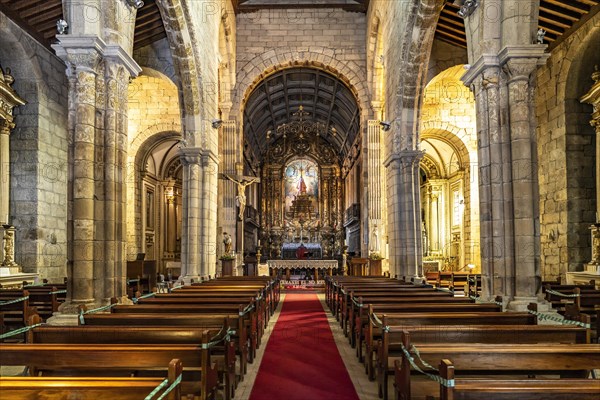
(301, 360)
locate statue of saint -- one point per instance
(241, 196)
(227, 243)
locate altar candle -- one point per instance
(259, 242)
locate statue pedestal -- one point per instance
(375, 267)
(227, 267)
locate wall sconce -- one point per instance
(216, 123)
(385, 126)
(467, 7)
(137, 4)
(62, 26)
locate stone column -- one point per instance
(374, 184)
(227, 198)
(5, 127)
(83, 64)
(404, 214)
(507, 161)
(190, 237)
(114, 167)
(519, 67)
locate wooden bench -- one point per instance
(224, 354)
(44, 299)
(244, 338)
(15, 308)
(19, 388)
(567, 360)
(514, 389)
(391, 342)
(363, 317)
(373, 329)
(118, 360)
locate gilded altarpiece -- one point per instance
(301, 196)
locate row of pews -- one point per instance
(432, 344)
(17, 305)
(195, 341)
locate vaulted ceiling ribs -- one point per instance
(324, 98)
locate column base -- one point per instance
(187, 280)
(61, 319)
(418, 280)
(520, 304)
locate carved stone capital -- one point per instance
(190, 155)
(520, 61)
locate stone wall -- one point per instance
(38, 154)
(153, 112)
(566, 144)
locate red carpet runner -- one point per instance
(301, 361)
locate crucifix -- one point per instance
(242, 182)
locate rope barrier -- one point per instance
(20, 299)
(19, 331)
(246, 310)
(554, 292)
(444, 290)
(157, 389)
(436, 378)
(95, 310)
(479, 301)
(563, 321)
(64, 291)
(212, 343)
(145, 296)
(176, 382)
(174, 287)
(357, 304)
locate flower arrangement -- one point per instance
(375, 256)
(225, 257)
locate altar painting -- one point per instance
(301, 177)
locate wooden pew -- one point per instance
(44, 299)
(390, 344)
(222, 353)
(514, 389)
(362, 319)
(245, 344)
(373, 329)
(573, 360)
(15, 312)
(118, 360)
(20, 388)
(378, 302)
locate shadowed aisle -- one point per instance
(301, 360)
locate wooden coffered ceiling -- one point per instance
(557, 17)
(38, 18)
(253, 5)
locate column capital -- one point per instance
(197, 155)
(86, 51)
(520, 61)
(404, 157)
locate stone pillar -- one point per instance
(115, 163)
(523, 146)
(5, 127)
(198, 247)
(83, 64)
(507, 161)
(374, 182)
(190, 237)
(404, 214)
(229, 224)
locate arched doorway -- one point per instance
(302, 138)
